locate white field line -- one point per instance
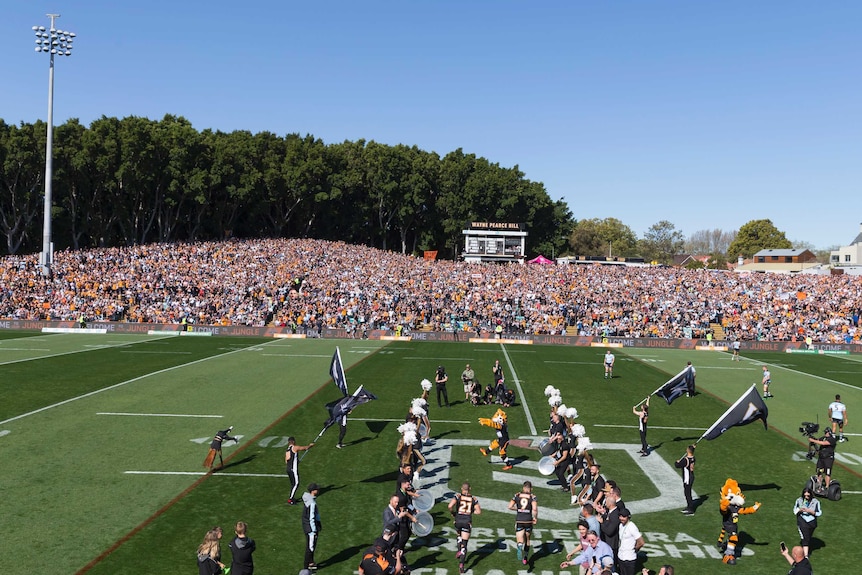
(123, 344)
(202, 473)
(402, 420)
(121, 384)
(520, 390)
(159, 352)
(650, 427)
(156, 414)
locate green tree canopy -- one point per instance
(595, 237)
(757, 235)
(661, 242)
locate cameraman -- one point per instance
(440, 379)
(826, 458)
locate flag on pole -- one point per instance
(748, 408)
(345, 405)
(675, 386)
(336, 370)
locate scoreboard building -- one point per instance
(494, 242)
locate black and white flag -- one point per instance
(747, 409)
(345, 405)
(336, 370)
(675, 386)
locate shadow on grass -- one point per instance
(554, 547)
(700, 501)
(750, 487)
(348, 554)
(376, 427)
(483, 552)
(382, 478)
(360, 440)
(745, 540)
(237, 463)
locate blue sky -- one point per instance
(707, 114)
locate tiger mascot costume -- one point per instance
(732, 505)
(500, 423)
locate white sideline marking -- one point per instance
(520, 390)
(122, 344)
(402, 420)
(5, 432)
(159, 352)
(22, 349)
(156, 414)
(651, 427)
(432, 360)
(291, 355)
(200, 473)
(116, 385)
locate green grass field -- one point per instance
(103, 437)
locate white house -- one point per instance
(848, 255)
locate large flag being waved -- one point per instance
(675, 386)
(336, 370)
(345, 405)
(748, 408)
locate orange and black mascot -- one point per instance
(500, 423)
(732, 505)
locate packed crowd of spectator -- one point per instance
(317, 284)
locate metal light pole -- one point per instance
(54, 42)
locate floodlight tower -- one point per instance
(53, 42)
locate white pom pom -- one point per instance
(407, 427)
(410, 437)
(549, 390)
(426, 385)
(578, 430)
(555, 400)
(572, 413)
(561, 409)
(584, 444)
(418, 411)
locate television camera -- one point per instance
(809, 429)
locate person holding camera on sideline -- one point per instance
(826, 457)
(440, 379)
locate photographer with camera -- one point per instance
(440, 379)
(826, 456)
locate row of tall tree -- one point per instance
(134, 181)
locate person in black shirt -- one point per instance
(440, 379)
(463, 506)
(241, 547)
(826, 458)
(215, 447)
(643, 417)
(799, 564)
(311, 524)
(526, 511)
(686, 463)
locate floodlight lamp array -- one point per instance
(57, 42)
